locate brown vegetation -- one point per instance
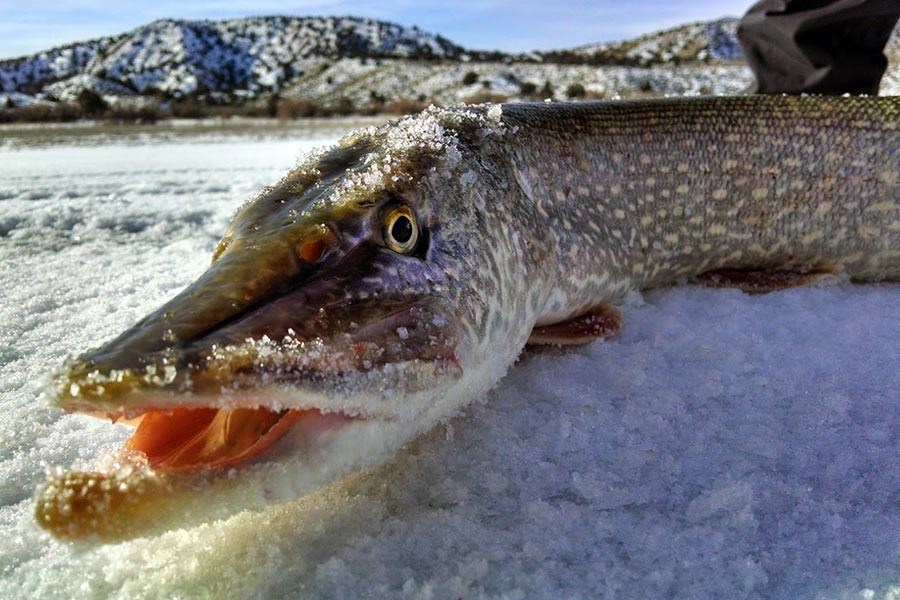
(297, 109)
(41, 113)
(303, 108)
(86, 107)
(482, 97)
(528, 88)
(575, 90)
(403, 106)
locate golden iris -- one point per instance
(400, 230)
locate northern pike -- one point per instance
(387, 282)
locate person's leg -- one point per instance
(818, 46)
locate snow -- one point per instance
(724, 445)
(68, 90)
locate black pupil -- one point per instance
(402, 229)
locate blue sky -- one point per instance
(29, 26)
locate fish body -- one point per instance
(387, 282)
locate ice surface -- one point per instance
(724, 446)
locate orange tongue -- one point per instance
(185, 439)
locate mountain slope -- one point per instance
(709, 41)
(232, 57)
(28, 74)
(367, 64)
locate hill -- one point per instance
(303, 66)
(222, 60)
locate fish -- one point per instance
(387, 282)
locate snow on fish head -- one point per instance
(338, 319)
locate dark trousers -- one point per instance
(818, 46)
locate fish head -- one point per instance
(343, 294)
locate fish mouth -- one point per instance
(124, 496)
(205, 410)
(229, 395)
(209, 438)
(218, 375)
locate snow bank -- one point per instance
(723, 446)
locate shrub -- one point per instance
(41, 113)
(482, 97)
(271, 105)
(297, 109)
(91, 103)
(575, 90)
(404, 106)
(371, 109)
(375, 104)
(470, 78)
(528, 88)
(189, 109)
(547, 90)
(135, 114)
(343, 107)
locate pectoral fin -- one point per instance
(763, 281)
(604, 321)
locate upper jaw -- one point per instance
(401, 349)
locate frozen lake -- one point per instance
(723, 446)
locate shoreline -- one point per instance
(16, 136)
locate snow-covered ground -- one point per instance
(725, 446)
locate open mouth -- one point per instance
(176, 469)
(230, 406)
(212, 438)
(241, 414)
(238, 405)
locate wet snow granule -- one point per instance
(723, 446)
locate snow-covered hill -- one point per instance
(364, 65)
(232, 57)
(709, 41)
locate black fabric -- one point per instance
(818, 46)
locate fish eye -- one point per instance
(401, 233)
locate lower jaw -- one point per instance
(177, 470)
